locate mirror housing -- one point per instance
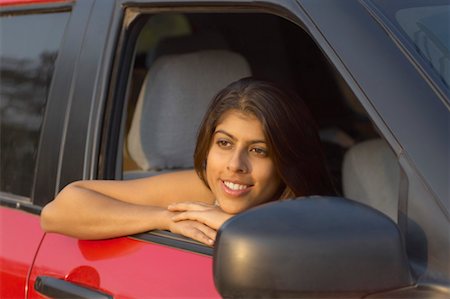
(309, 247)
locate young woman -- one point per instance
(256, 144)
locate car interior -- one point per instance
(182, 59)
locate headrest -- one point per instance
(174, 97)
(186, 44)
(371, 175)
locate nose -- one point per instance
(238, 162)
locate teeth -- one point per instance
(233, 186)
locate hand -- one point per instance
(194, 230)
(207, 214)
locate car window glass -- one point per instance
(28, 49)
(426, 27)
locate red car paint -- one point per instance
(20, 235)
(125, 267)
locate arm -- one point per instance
(106, 209)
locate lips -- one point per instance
(235, 189)
(234, 186)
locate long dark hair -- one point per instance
(289, 128)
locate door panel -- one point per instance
(125, 268)
(20, 236)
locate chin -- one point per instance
(232, 209)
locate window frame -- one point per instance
(109, 164)
(110, 154)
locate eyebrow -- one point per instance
(234, 138)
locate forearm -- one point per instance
(86, 214)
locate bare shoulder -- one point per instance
(160, 190)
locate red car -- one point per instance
(103, 89)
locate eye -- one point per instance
(223, 143)
(259, 151)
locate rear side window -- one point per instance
(29, 46)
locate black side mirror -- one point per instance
(309, 247)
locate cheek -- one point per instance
(215, 159)
(268, 176)
(212, 166)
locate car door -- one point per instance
(144, 266)
(27, 71)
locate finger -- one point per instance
(188, 215)
(198, 216)
(201, 233)
(207, 233)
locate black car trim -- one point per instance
(59, 101)
(277, 9)
(59, 288)
(113, 119)
(19, 204)
(174, 240)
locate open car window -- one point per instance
(182, 59)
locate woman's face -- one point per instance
(239, 168)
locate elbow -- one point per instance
(46, 219)
(51, 217)
(54, 213)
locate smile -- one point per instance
(234, 186)
(235, 189)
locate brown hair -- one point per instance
(289, 128)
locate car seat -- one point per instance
(371, 175)
(175, 94)
(199, 41)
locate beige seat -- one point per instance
(371, 175)
(175, 94)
